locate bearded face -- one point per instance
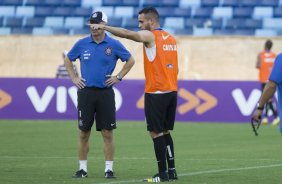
(144, 23)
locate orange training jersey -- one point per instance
(161, 72)
(266, 60)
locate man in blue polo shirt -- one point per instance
(98, 54)
(275, 81)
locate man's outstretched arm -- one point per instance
(139, 36)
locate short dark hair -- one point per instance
(150, 13)
(268, 44)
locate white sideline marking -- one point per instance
(134, 158)
(205, 172)
(231, 169)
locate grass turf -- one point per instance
(45, 152)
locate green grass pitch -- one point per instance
(45, 152)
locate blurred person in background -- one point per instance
(161, 70)
(275, 81)
(264, 65)
(98, 54)
(62, 72)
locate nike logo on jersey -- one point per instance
(165, 37)
(112, 124)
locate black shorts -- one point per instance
(160, 110)
(98, 103)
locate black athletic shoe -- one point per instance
(109, 174)
(160, 177)
(80, 174)
(172, 174)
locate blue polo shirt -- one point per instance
(98, 60)
(276, 76)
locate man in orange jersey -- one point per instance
(161, 70)
(264, 64)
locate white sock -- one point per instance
(83, 165)
(109, 165)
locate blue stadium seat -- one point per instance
(277, 12)
(182, 12)
(234, 24)
(123, 11)
(202, 32)
(262, 12)
(170, 3)
(265, 32)
(7, 11)
(74, 22)
(53, 3)
(42, 11)
(134, 3)
(34, 3)
(154, 3)
(192, 22)
(213, 23)
(34, 22)
(223, 32)
(25, 11)
(1, 21)
(130, 23)
(183, 31)
(62, 11)
(80, 31)
(273, 3)
(279, 33)
(244, 24)
(20, 31)
(54, 22)
(5, 30)
(115, 21)
(91, 3)
(212, 3)
(82, 11)
(174, 22)
(14, 22)
(232, 3)
(252, 24)
(189, 3)
(12, 2)
(42, 31)
(242, 12)
(60, 31)
(233, 32)
(136, 11)
(162, 21)
(251, 3)
(164, 11)
(75, 3)
(203, 12)
(272, 23)
(244, 32)
(112, 2)
(222, 12)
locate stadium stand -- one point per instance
(11, 2)
(193, 17)
(242, 12)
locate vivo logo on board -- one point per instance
(41, 103)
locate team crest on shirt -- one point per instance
(108, 51)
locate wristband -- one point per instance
(119, 77)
